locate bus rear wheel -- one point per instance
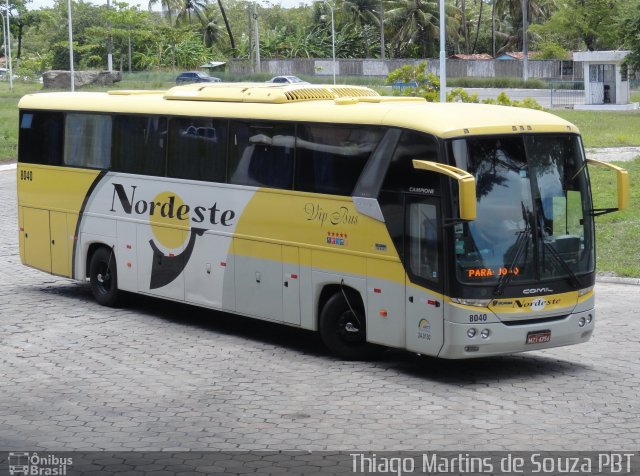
(344, 333)
(103, 277)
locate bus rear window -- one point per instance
(40, 140)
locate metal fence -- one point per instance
(566, 93)
(540, 69)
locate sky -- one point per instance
(36, 4)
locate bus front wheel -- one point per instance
(343, 328)
(103, 277)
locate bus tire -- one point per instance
(103, 276)
(336, 317)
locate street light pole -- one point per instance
(8, 38)
(333, 41)
(443, 59)
(4, 38)
(525, 46)
(381, 30)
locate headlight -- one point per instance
(582, 292)
(472, 302)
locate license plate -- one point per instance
(539, 337)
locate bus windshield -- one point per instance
(533, 202)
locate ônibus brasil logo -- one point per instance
(167, 213)
(38, 465)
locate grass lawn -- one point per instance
(605, 128)
(617, 243)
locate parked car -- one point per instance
(287, 79)
(196, 77)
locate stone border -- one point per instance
(618, 280)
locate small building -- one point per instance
(515, 55)
(606, 80)
(475, 56)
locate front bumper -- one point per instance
(507, 339)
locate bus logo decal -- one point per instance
(424, 329)
(167, 213)
(165, 269)
(341, 216)
(169, 206)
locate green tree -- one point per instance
(629, 32)
(586, 23)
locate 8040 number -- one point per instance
(26, 175)
(477, 317)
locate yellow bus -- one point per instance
(450, 230)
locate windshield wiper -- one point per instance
(559, 259)
(521, 244)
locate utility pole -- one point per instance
(109, 42)
(250, 30)
(71, 71)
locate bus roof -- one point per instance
(308, 103)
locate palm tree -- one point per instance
(508, 13)
(211, 27)
(416, 23)
(226, 24)
(185, 9)
(168, 6)
(362, 13)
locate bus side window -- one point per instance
(87, 140)
(41, 137)
(401, 176)
(139, 144)
(261, 155)
(197, 149)
(330, 159)
(422, 234)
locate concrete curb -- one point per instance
(618, 280)
(8, 167)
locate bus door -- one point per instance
(423, 263)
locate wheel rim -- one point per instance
(103, 278)
(348, 328)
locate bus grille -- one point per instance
(517, 322)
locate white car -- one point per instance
(287, 79)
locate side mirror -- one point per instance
(466, 185)
(623, 185)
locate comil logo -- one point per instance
(175, 226)
(537, 291)
(38, 465)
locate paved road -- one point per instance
(542, 96)
(158, 376)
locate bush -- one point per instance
(460, 95)
(504, 100)
(500, 82)
(428, 83)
